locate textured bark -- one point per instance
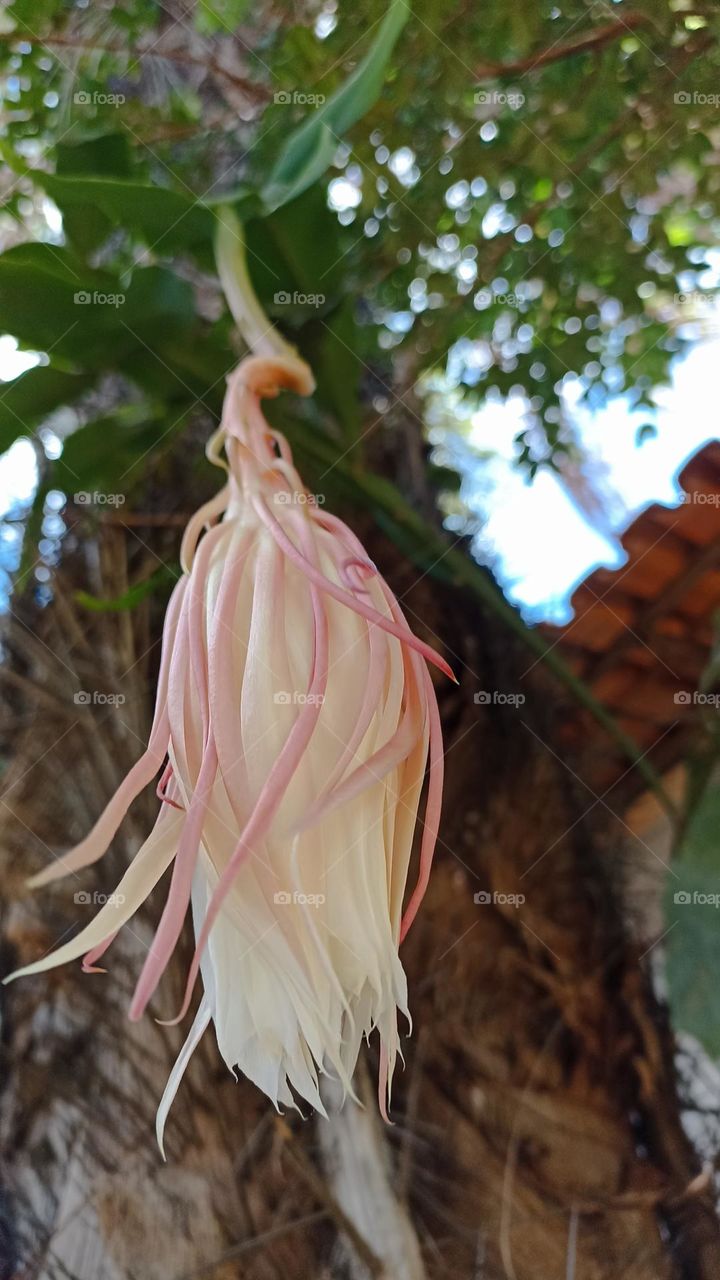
(537, 1123)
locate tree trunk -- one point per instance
(537, 1124)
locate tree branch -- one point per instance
(557, 52)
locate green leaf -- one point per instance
(337, 367)
(156, 294)
(693, 956)
(295, 249)
(692, 910)
(130, 598)
(303, 167)
(38, 288)
(680, 229)
(167, 221)
(310, 148)
(189, 362)
(52, 302)
(28, 399)
(85, 223)
(109, 455)
(107, 154)
(31, 15)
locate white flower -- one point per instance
(294, 718)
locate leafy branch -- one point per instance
(591, 40)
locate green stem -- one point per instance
(259, 333)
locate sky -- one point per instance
(17, 466)
(538, 542)
(534, 536)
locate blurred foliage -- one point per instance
(692, 911)
(507, 195)
(692, 904)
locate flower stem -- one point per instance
(259, 333)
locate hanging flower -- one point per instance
(293, 723)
